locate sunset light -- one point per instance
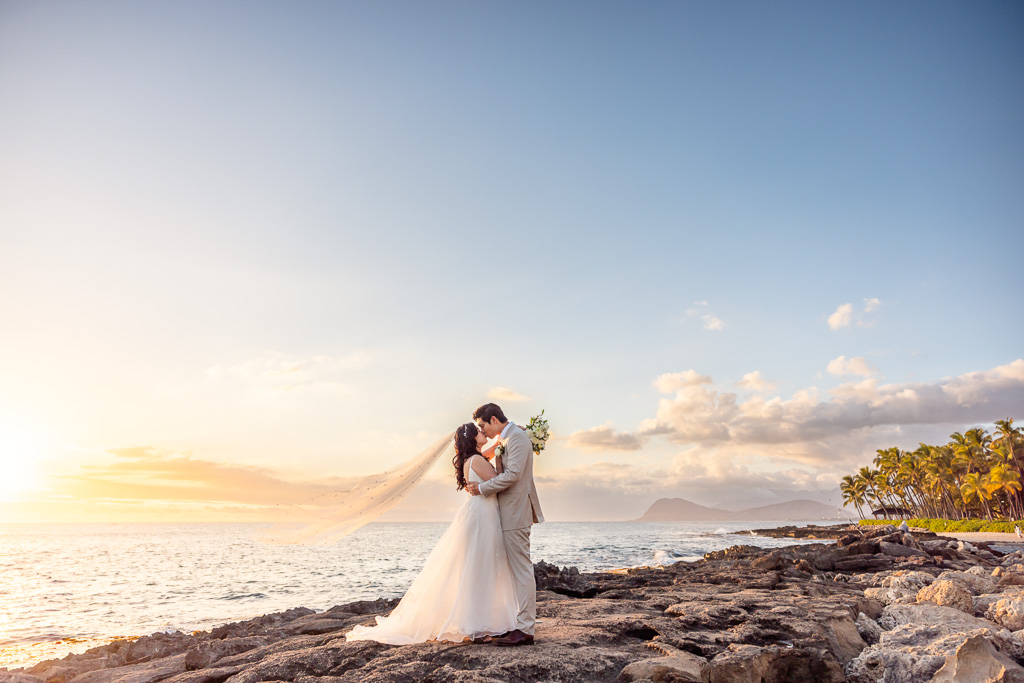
(21, 450)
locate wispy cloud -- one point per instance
(144, 473)
(273, 373)
(711, 322)
(505, 394)
(604, 438)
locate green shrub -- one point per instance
(952, 525)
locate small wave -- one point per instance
(246, 596)
(665, 557)
(721, 532)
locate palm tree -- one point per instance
(1003, 477)
(853, 493)
(975, 487)
(1011, 438)
(974, 474)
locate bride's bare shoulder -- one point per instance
(483, 468)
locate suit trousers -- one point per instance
(517, 547)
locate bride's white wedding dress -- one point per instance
(465, 588)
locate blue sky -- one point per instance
(307, 238)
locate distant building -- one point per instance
(886, 512)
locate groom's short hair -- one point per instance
(489, 410)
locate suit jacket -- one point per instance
(518, 505)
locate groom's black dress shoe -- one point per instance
(512, 638)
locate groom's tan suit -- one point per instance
(519, 509)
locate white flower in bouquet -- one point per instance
(539, 432)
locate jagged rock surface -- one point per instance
(820, 612)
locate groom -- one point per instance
(519, 508)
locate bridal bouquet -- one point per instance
(538, 432)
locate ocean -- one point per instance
(67, 587)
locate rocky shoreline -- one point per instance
(876, 606)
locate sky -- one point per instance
(250, 251)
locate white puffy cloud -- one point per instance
(754, 382)
(815, 429)
(711, 322)
(505, 394)
(842, 317)
(844, 314)
(844, 366)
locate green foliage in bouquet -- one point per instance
(538, 431)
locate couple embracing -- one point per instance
(478, 580)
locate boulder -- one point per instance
(901, 578)
(1010, 579)
(932, 615)
(1008, 612)
(206, 652)
(565, 581)
(899, 550)
(977, 585)
(914, 654)
(752, 664)
(977, 661)
(868, 628)
(949, 594)
(892, 596)
(863, 563)
(681, 667)
(145, 672)
(772, 560)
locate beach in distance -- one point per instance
(70, 586)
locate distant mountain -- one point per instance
(793, 511)
(680, 510)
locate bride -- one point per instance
(465, 589)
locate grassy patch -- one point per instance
(938, 525)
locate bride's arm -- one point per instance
(483, 468)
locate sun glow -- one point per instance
(21, 450)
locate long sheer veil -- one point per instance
(336, 514)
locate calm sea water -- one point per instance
(67, 587)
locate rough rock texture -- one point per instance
(681, 667)
(1008, 612)
(948, 594)
(821, 612)
(565, 581)
(977, 660)
(974, 583)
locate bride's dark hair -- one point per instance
(465, 448)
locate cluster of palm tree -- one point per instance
(975, 475)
